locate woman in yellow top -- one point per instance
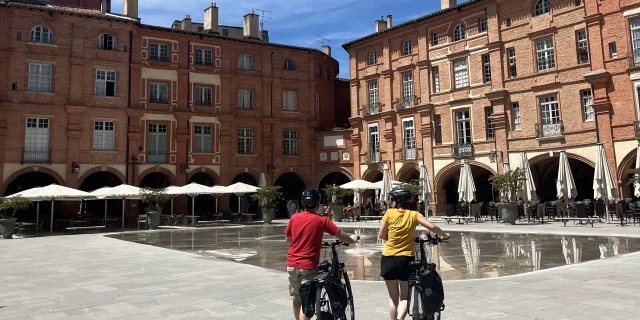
(398, 229)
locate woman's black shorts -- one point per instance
(395, 268)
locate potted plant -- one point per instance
(8, 224)
(334, 195)
(154, 201)
(508, 185)
(268, 197)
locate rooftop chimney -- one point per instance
(211, 19)
(326, 50)
(251, 25)
(389, 22)
(186, 23)
(446, 4)
(381, 25)
(105, 6)
(130, 8)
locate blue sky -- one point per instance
(294, 22)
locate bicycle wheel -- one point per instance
(350, 309)
(416, 304)
(323, 304)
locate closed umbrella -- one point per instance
(528, 192)
(425, 187)
(636, 190)
(565, 185)
(604, 187)
(386, 184)
(466, 186)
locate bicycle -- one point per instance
(333, 296)
(416, 289)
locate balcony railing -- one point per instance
(158, 100)
(371, 109)
(157, 158)
(407, 103)
(635, 58)
(636, 129)
(36, 156)
(462, 150)
(373, 157)
(549, 130)
(408, 154)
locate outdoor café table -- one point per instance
(29, 228)
(247, 217)
(111, 222)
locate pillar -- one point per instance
(75, 116)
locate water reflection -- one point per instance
(467, 256)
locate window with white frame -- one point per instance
(245, 99)
(245, 141)
(409, 135)
(317, 102)
(407, 87)
(159, 52)
(245, 62)
(105, 83)
(289, 100)
(373, 57)
(103, 135)
(613, 50)
(39, 77)
(542, 7)
(36, 138)
(459, 32)
(41, 34)
(158, 93)
(545, 55)
(463, 127)
(203, 96)
(374, 142)
(490, 130)
(483, 24)
(550, 113)
(406, 48)
(288, 65)
(511, 64)
(290, 143)
(202, 139)
(157, 137)
(461, 75)
(435, 74)
(587, 105)
(373, 92)
(635, 40)
(515, 115)
(486, 68)
(434, 38)
(204, 57)
(583, 46)
(107, 42)
(437, 124)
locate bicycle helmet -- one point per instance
(402, 195)
(310, 198)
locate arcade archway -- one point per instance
(372, 175)
(96, 181)
(155, 180)
(408, 174)
(27, 181)
(205, 203)
(448, 186)
(247, 204)
(292, 187)
(337, 178)
(545, 174)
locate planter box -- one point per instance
(508, 212)
(153, 217)
(8, 227)
(337, 213)
(267, 215)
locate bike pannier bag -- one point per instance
(433, 289)
(308, 298)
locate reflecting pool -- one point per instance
(468, 255)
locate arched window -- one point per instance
(406, 48)
(288, 65)
(41, 34)
(319, 70)
(373, 57)
(458, 33)
(107, 42)
(542, 7)
(327, 74)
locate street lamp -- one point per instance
(494, 155)
(75, 167)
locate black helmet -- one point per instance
(310, 198)
(402, 195)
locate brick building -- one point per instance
(484, 80)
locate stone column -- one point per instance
(500, 125)
(599, 81)
(74, 133)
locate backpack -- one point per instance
(433, 290)
(308, 291)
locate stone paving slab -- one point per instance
(93, 277)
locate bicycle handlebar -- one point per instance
(430, 240)
(335, 243)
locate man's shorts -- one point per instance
(296, 277)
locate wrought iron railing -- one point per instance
(373, 157)
(407, 103)
(157, 158)
(158, 100)
(462, 150)
(408, 154)
(371, 109)
(36, 156)
(550, 130)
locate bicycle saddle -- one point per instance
(324, 266)
(415, 264)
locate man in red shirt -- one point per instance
(304, 232)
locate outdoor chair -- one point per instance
(142, 218)
(599, 209)
(580, 209)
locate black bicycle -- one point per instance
(330, 289)
(421, 307)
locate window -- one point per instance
(635, 40)
(202, 139)
(203, 96)
(245, 99)
(515, 115)
(41, 34)
(544, 51)
(327, 74)
(460, 74)
(245, 141)
(434, 38)
(103, 135)
(406, 48)
(508, 22)
(105, 83)
(36, 140)
(158, 93)
(289, 100)
(203, 57)
(463, 127)
(587, 105)
(373, 57)
(435, 72)
(549, 110)
(39, 77)
(288, 65)
(542, 7)
(107, 42)
(511, 67)
(613, 50)
(458, 33)
(409, 136)
(225, 32)
(319, 70)
(578, 3)
(245, 62)
(157, 143)
(437, 123)
(159, 52)
(317, 102)
(583, 46)
(483, 24)
(407, 87)
(374, 143)
(488, 123)
(290, 143)
(373, 92)
(486, 68)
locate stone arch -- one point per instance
(626, 163)
(625, 190)
(22, 171)
(98, 169)
(406, 170)
(301, 175)
(448, 169)
(372, 173)
(569, 155)
(208, 171)
(292, 185)
(327, 172)
(162, 170)
(446, 182)
(252, 173)
(544, 170)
